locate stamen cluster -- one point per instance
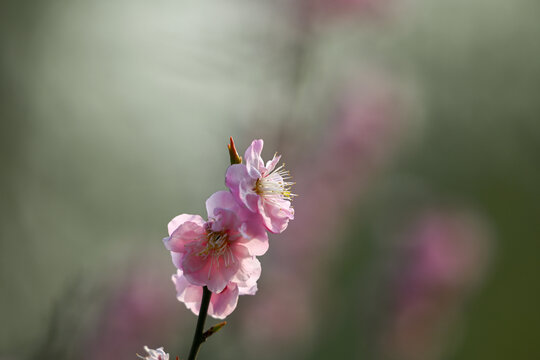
(274, 184)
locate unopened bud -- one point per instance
(235, 158)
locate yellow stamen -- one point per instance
(275, 184)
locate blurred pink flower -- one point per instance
(284, 312)
(129, 318)
(357, 145)
(263, 189)
(368, 126)
(359, 142)
(221, 304)
(445, 257)
(218, 251)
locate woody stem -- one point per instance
(198, 338)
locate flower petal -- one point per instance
(241, 185)
(220, 200)
(177, 259)
(226, 220)
(209, 271)
(185, 233)
(271, 164)
(253, 159)
(189, 294)
(254, 236)
(180, 219)
(276, 214)
(224, 303)
(247, 290)
(249, 270)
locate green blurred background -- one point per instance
(115, 117)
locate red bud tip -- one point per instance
(233, 154)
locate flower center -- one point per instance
(217, 245)
(217, 241)
(275, 184)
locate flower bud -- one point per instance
(235, 158)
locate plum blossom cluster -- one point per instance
(221, 251)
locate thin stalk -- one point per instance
(198, 338)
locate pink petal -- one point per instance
(271, 164)
(221, 305)
(180, 219)
(250, 198)
(226, 220)
(254, 236)
(253, 160)
(185, 233)
(249, 270)
(187, 293)
(220, 200)
(241, 185)
(247, 290)
(177, 259)
(275, 214)
(209, 271)
(221, 275)
(224, 303)
(193, 264)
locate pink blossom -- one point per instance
(221, 304)
(220, 250)
(262, 189)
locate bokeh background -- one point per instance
(412, 129)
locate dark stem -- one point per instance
(198, 338)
